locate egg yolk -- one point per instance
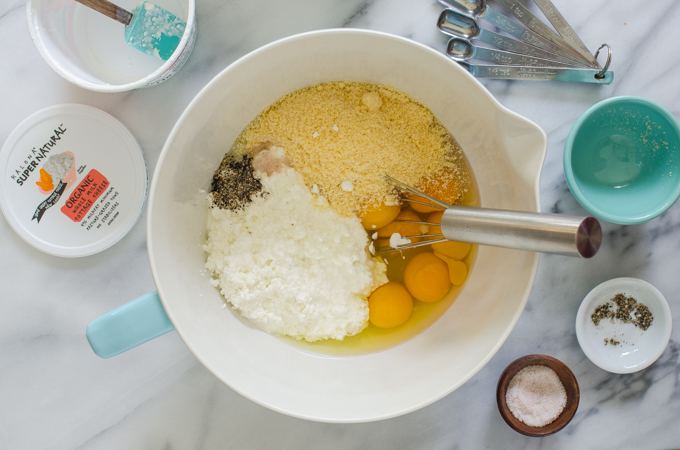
(445, 188)
(427, 277)
(404, 229)
(378, 216)
(457, 269)
(452, 249)
(390, 305)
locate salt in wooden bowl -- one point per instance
(566, 377)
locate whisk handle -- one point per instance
(536, 232)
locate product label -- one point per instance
(34, 157)
(83, 197)
(71, 179)
(104, 212)
(50, 202)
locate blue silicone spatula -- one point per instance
(148, 28)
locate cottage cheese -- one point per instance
(292, 267)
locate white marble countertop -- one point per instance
(55, 393)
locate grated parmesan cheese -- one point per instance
(291, 267)
(382, 131)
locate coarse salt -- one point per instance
(536, 396)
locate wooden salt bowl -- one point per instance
(566, 377)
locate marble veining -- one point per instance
(55, 394)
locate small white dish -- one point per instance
(636, 349)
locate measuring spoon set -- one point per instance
(533, 52)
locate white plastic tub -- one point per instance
(89, 49)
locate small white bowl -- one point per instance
(637, 349)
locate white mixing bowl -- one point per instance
(506, 152)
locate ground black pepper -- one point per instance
(234, 183)
(628, 310)
(624, 307)
(644, 317)
(602, 312)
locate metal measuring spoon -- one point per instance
(456, 24)
(460, 49)
(538, 73)
(562, 27)
(481, 10)
(535, 24)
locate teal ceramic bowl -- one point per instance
(622, 160)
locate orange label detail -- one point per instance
(83, 197)
(45, 182)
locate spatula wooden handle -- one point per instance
(109, 10)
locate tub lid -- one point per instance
(73, 180)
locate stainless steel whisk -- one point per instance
(536, 232)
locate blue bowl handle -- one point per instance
(128, 326)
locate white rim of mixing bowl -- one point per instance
(57, 67)
(164, 153)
